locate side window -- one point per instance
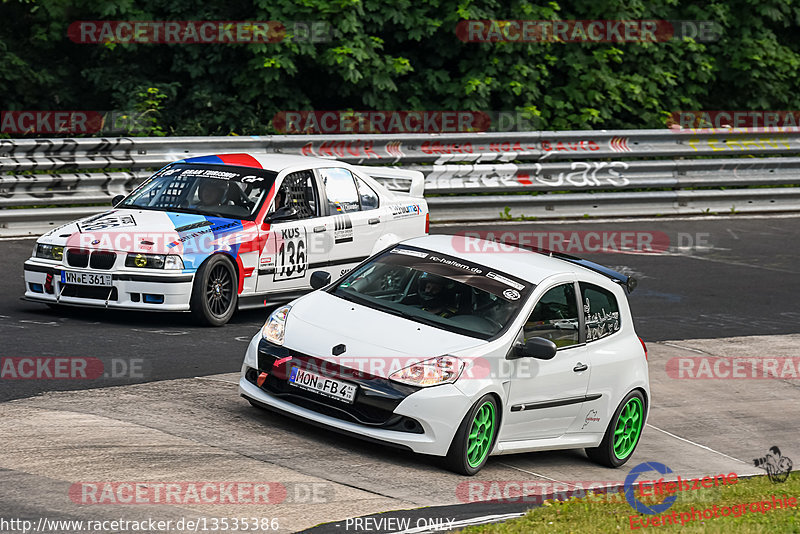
(555, 317)
(601, 311)
(369, 198)
(298, 192)
(341, 190)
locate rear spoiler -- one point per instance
(629, 282)
(402, 181)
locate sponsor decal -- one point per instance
(407, 210)
(407, 252)
(511, 294)
(591, 417)
(343, 229)
(502, 279)
(107, 221)
(291, 254)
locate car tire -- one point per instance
(474, 438)
(215, 292)
(623, 432)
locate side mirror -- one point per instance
(117, 199)
(282, 214)
(320, 279)
(535, 347)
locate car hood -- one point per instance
(376, 342)
(149, 231)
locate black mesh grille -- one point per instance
(77, 257)
(89, 292)
(102, 259)
(373, 405)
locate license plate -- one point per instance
(86, 279)
(328, 387)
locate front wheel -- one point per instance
(622, 434)
(474, 438)
(215, 292)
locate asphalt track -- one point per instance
(179, 417)
(720, 278)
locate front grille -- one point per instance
(102, 259)
(89, 292)
(77, 257)
(373, 405)
(99, 259)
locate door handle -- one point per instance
(318, 229)
(580, 367)
(376, 220)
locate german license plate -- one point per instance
(86, 279)
(328, 387)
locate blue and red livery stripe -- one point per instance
(240, 160)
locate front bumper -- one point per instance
(134, 290)
(423, 420)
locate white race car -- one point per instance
(214, 233)
(442, 351)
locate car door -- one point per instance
(292, 246)
(609, 354)
(546, 396)
(355, 231)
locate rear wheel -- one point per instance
(622, 434)
(474, 438)
(215, 292)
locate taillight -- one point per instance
(427, 223)
(644, 347)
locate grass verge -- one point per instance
(612, 513)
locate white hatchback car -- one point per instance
(457, 347)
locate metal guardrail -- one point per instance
(603, 172)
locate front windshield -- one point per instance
(438, 290)
(205, 189)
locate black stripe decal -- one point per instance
(554, 403)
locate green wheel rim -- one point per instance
(480, 435)
(628, 428)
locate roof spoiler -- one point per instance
(629, 282)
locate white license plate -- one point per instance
(328, 387)
(86, 279)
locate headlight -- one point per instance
(154, 261)
(273, 329)
(49, 252)
(439, 370)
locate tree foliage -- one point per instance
(401, 55)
